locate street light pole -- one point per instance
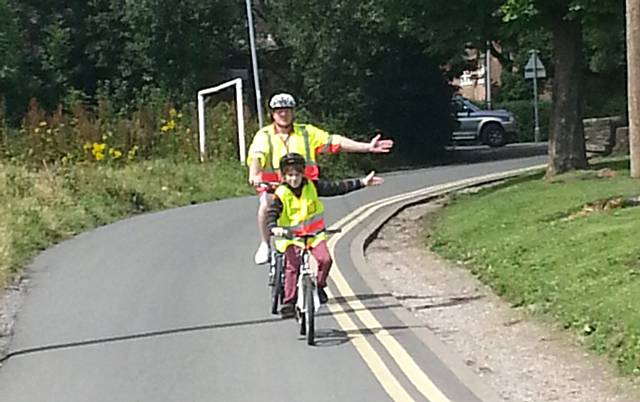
(536, 129)
(633, 84)
(487, 79)
(254, 62)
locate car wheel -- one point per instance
(493, 135)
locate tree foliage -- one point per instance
(122, 49)
(358, 63)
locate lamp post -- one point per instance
(487, 79)
(254, 62)
(633, 84)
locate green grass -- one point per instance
(583, 272)
(40, 208)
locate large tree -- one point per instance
(566, 20)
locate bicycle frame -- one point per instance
(306, 271)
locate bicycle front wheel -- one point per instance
(309, 310)
(277, 288)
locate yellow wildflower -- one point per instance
(172, 113)
(98, 151)
(114, 153)
(170, 126)
(98, 147)
(132, 152)
(87, 146)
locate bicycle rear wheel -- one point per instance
(309, 315)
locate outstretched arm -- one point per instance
(377, 145)
(340, 187)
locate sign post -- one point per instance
(534, 69)
(254, 62)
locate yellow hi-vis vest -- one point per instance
(302, 216)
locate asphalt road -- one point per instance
(169, 307)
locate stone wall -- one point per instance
(604, 135)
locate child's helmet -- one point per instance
(292, 159)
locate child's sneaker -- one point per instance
(287, 311)
(322, 295)
(262, 254)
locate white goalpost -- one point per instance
(239, 112)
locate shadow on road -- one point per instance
(477, 154)
(326, 337)
(336, 337)
(453, 301)
(142, 335)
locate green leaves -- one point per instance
(514, 10)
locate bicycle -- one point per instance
(276, 279)
(307, 300)
(276, 261)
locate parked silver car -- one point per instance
(490, 127)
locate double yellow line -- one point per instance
(420, 380)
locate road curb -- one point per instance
(366, 233)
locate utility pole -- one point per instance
(633, 84)
(534, 69)
(536, 130)
(254, 61)
(487, 78)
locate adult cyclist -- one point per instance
(284, 136)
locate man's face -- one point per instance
(293, 177)
(283, 117)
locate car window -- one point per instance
(471, 106)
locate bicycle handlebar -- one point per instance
(290, 236)
(268, 186)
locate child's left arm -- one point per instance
(340, 187)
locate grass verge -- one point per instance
(39, 208)
(527, 241)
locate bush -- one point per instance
(98, 134)
(523, 109)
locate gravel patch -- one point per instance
(11, 299)
(521, 357)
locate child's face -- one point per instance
(293, 177)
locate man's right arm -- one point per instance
(323, 142)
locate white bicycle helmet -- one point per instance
(283, 100)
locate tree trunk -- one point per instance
(633, 69)
(566, 141)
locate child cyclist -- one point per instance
(297, 210)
